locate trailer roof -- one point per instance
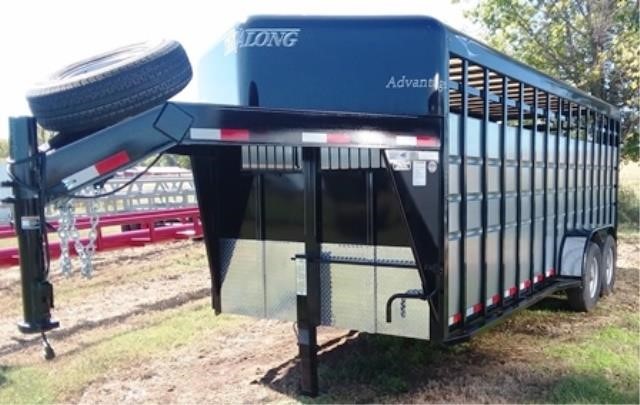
(463, 46)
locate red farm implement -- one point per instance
(133, 229)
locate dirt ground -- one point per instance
(255, 360)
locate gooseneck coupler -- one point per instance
(26, 172)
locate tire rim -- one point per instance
(608, 262)
(593, 277)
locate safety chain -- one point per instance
(68, 233)
(403, 303)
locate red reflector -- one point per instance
(512, 291)
(552, 272)
(338, 138)
(427, 140)
(527, 283)
(477, 308)
(495, 299)
(234, 134)
(112, 162)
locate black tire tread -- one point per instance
(608, 289)
(578, 297)
(107, 97)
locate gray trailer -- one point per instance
(387, 175)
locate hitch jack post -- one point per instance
(37, 292)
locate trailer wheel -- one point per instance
(609, 254)
(584, 298)
(104, 89)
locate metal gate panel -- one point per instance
(280, 278)
(242, 274)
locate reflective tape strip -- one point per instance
(511, 291)
(538, 278)
(338, 138)
(210, 134)
(322, 137)
(455, 318)
(493, 300)
(314, 137)
(427, 140)
(551, 272)
(81, 177)
(474, 309)
(406, 140)
(113, 162)
(525, 284)
(342, 138)
(418, 140)
(216, 134)
(229, 134)
(104, 166)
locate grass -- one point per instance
(77, 287)
(602, 368)
(66, 377)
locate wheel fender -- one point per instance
(574, 247)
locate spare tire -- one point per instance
(102, 90)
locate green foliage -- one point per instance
(629, 209)
(170, 160)
(592, 44)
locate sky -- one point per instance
(37, 37)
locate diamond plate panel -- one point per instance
(280, 276)
(347, 291)
(242, 277)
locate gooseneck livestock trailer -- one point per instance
(387, 175)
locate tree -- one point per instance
(592, 44)
(4, 149)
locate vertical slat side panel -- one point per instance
(601, 170)
(609, 205)
(575, 172)
(545, 166)
(556, 199)
(519, 186)
(532, 187)
(593, 166)
(483, 180)
(503, 136)
(463, 188)
(567, 161)
(584, 167)
(617, 172)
